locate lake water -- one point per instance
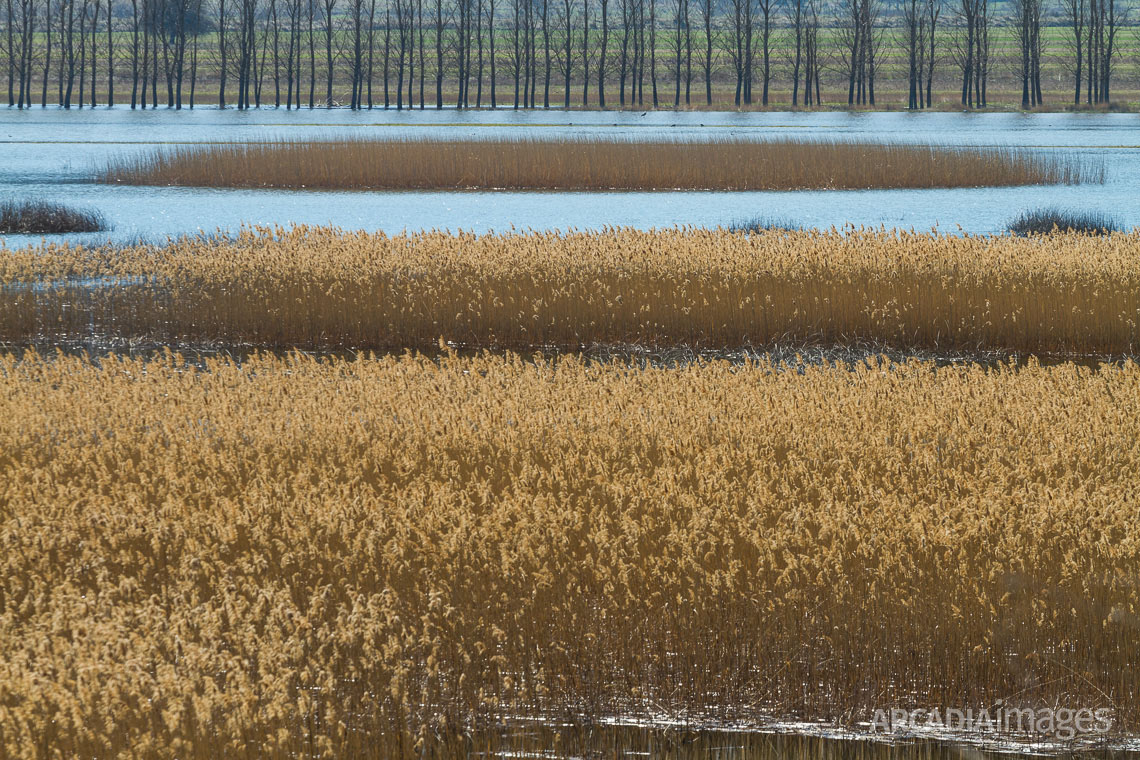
(52, 154)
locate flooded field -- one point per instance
(601, 489)
(54, 155)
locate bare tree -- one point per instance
(810, 14)
(564, 52)
(1105, 20)
(767, 9)
(10, 50)
(653, 47)
(1075, 14)
(358, 23)
(94, 51)
(371, 46)
(933, 12)
(605, 4)
(708, 58)
(738, 46)
(82, 73)
(587, 52)
(47, 54)
(546, 53)
(110, 55)
(439, 22)
(516, 52)
(859, 37)
(405, 41)
(971, 50)
(1026, 22)
(627, 21)
(676, 49)
(21, 33)
(913, 18)
(328, 7)
(491, 50)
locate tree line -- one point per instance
(523, 53)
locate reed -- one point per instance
(530, 164)
(387, 557)
(46, 218)
(762, 224)
(704, 289)
(1044, 221)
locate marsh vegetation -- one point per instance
(1048, 220)
(516, 502)
(596, 164)
(47, 218)
(323, 288)
(381, 557)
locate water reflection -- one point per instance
(538, 741)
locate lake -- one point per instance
(53, 154)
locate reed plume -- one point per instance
(388, 557)
(706, 289)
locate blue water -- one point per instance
(53, 154)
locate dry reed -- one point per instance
(530, 164)
(290, 558)
(327, 289)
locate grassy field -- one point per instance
(384, 557)
(594, 164)
(703, 289)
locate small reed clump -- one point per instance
(584, 165)
(46, 218)
(290, 557)
(704, 289)
(762, 224)
(1048, 220)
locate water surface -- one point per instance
(53, 154)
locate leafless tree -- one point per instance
(707, 56)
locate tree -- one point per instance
(971, 50)
(588, 52)
(739, 49)
(1026, 21)
(805, 20)
(405, 37)
(9, 51)
(47, 54)
(708, 60)
(1074, 13)
(491, 50)
(676, 48)
(913, 20)
(605, 4)
(546, 53)
(933, 12)
(627, 21)
(439, 21)
(564, 53)
(767, 8)
(328, 6)
(1104, 22)
(918, 36)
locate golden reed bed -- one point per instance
(529, 164)
(295, 558)
(327, 289)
